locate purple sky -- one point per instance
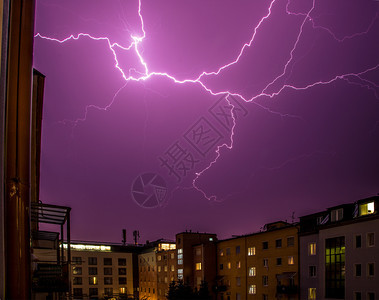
(303, 93)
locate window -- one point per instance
(290, 241)
(278, 243)
(93, 292)
(92, 280)
(312, 271)
(252, 289)
(198, 251)
(371, 296)
(335, 268)
(251, 251)
(77, 281)
(180, 261)
(122, 261)
(238, 296)
(165, 268)
(92, 260)
(92, 270)
(238, 249)
(77, 270)
(227, 251)
(366, 208)
(108, 291)
(371, 269)
(265, 262)
(311, 293)
(122, 290)
(198, 266)
(172, 268)
(252, 271)
(122, 280)
(121, 271)
(312, 249)
(78, 292)
(265, 280)
(172, 255)
(159, 258)
(279, 261)
(165, 279)
(265, 245)
(108, 271)
(238, 281)
(357, 296)
(221, 253)
(358, 241)
(370, 239)
(238, 265)
(265, 297)
(159, 268)
(108, 280)
(180, 273)
(358, 270)
(76, 260)
(107, 261)
(229, 265)
(221, 266)
(337, 215)
(198, 281)
(291, 260)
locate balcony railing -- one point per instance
(51, 277)
(287, 289)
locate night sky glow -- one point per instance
(247, 110)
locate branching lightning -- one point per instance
(133, 75)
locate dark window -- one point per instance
(238, 250)
(370, 239)
(107, 261)
(122, 261)
(108, 291)
(371, 269)
(221, 266)
(77, 281)
(122, 280)
(93, 292)
(108, 271)
(227, 251)
(358, 270)
(312, 271)
(371, 296)
(278, 243)
(92, 270)
(265, 245)
(76, 260)
(290, 241)
(265, 297)
(78, 292)
(265, 262)
(265, 280)
(357, 296)
(121, 271)
(92, 260)
(279, 261)
(335, 268)
(358, 241)
(108, 280)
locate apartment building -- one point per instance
(167, 269)
(262, 265)
(338, 252)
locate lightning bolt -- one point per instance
(133, 75)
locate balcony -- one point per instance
(50, 277)
(287, 289)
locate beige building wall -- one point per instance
(147, 266)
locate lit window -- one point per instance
(221, 253)
(311, 293)
(180, 273)
(291, 260)
(211, 239)
(238, 265)
(229, 265)
(370, 239)
(265, 280)
(159, 258)
(312, 249)
(165, 268)
(122, 290)
(370, 269)
(312, 271)
(165, 279)
(180, 261)
(337, 215)
(172, 255)
(93, 280)
(172, 268)
(180, 251)
(77, 270)
(251, 251)
(159, 268)
(252, 289)
(252, 271)
(367, 208)
(198, 266)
